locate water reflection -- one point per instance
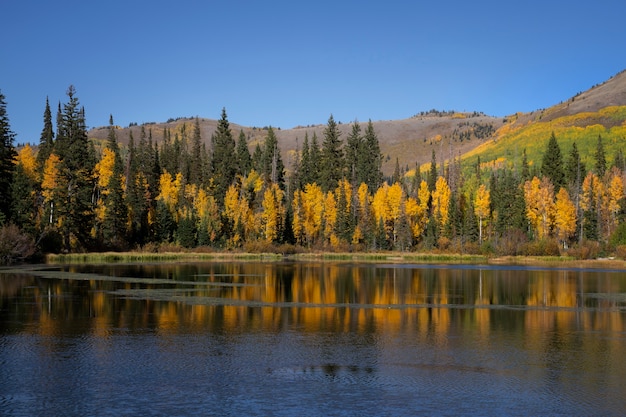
(382, 339)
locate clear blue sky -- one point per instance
(288, 63)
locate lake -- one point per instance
(311, 339)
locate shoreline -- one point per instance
(363, 257)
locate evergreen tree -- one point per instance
(619, 161)
(332, 160)
(196, 173)
(354, 154)
(432, 174)
(116, 212)
(244, 159)
(273, 166)
(600, 158)
(552, 165)
(23, 203)
(370, 160)
(7, 157)
(224, 168)
(525, 167)
(46, 141)
(397, 175)
(77, 162)
(257, 158)
(315, 159)
(305, 163)
(186, 231)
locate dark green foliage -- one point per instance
(46, 141)
(575, 170)
(116, 211)
(273, 167)
(552, 165)
(344, 225)
(7, 156)
(196, 163)
(332, 160)
(224, 168)
(354, 150)
(507, 201)
(432, 174)
(164, 223)
(77, 180)
(600, 158)
(619, 161)
(186, 232)
(525, 175)
(244, 159)
(23, 205)
(397, 174)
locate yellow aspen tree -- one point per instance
(441, 202)
(234, 212)
(330, 218)
(482, 202)
(539, 196)
(104, 169)
(314, 209)
(416, 216)
(614, 194)
(297, 221)
(208, 214)
(564, 216)
(26, 157)
(170, 189)
(49, 184)
(273, 212)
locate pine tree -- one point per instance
(7, 157)
(273, 166)
(315, 160)
(116, 211)
(244, 159)
(600, 158)
(76, 174)
(552, 164)
(224, 168)
(370, 159)
(432, 174)
(305, 163)
(46, 141)
(332, 160)
(195, 156)
(354, 153)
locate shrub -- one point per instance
(543, 247)
(15, 246)
(587, 249)
(620, 251)
(512, 243)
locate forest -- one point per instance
(72, 194)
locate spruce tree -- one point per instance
(116, 211)
(7, 157)
(600, 158)
(273, 166)
(432, 173)
(46, 140)
(244, 160)
(76, 172)
(305, 163)
(370, 160)
(223, 167)
(332, 160)
(195, 156)
(315, 160)
(354, 153)
(552, 164)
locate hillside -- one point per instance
(597, 111)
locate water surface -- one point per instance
(312, 339)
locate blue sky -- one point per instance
(288, 63)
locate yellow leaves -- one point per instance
(387, 202)
(564, 215)
(539, 196)
(51, 176)
(482, 202)
(104, 168)
(330, 215)
(310, 211)
(170, 189)
(26, 158)
(273, 212)
(441, 201)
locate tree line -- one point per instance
(74, 194)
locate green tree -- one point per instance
(370, 159)
(354, 149)
(244, 159)
(7, 157)
(305, 163)
(77, 162)
(315, 160)
(552, 164)
(273, 166)
(332, 161)
(224, 168)
(432, 174)
(600, 158)
(46, 140)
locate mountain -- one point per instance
(601, 110)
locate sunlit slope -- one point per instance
(532, 135)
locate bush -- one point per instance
(512, 243)
(15, 246)
(587, 249)
(543, 247)
(620, 252)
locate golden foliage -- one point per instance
(441, 201)
(539, 196)
(564, 215)
(26, 158)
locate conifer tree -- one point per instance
(432, 174)
(332, 160)
(76, 174)
(223, 167)
(244, 159)
(552, 164)
(315, 160)
(46, 140)
(600, 158)
(354, 153)
(370, 159)
(305, 163)
(196, 174)
(273, 166)
(7, 157)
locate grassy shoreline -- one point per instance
(365, 257)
